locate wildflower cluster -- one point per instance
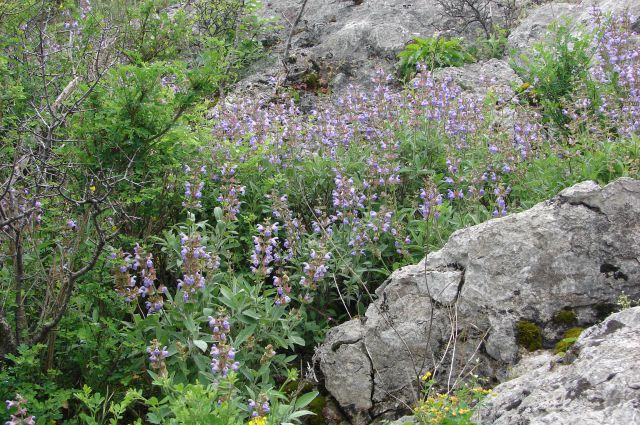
(195, 260)
(230, 192)
(222, 354)
(618, 65)
(128, 269)
(21, 207)
(157, 356)
(283, 289)
(20, 415)
(265, 249)
(194, 186)
(431, 200)
(314, 271)
(71, 21)
(125, 282)
(449, 408)
(223, 360)
(293, 227)
(259, 409)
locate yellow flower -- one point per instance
(258, 421)
(426, 376)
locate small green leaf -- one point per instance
(201, 345)
(305, 399)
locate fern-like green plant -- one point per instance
(434, 52)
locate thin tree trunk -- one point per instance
(285, 56)
(18, 265)
(51, 349)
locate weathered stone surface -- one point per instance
(495, 76)
(597, 383)
(578, 251)
(534, 25)
(343, 42)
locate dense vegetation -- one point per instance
(167, 257)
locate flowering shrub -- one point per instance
(20, 415)
(247, 228)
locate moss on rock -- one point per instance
(529, 335)
(565, 317)
(570, 337)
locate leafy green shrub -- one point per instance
(555, 69)
(22, 374)
(433, 52)
(492, 47)
(101, 407)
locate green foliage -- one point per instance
(153, 117)
(220, 403)
(529, 335)
(455, 408)
(555, 70)
(492, 47)
(101, 408)
(569, 338)
(433, 52)
(22, 374)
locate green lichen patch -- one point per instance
(529, 335)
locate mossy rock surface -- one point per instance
(565, 317)
(529, 335)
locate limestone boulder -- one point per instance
(459, 310)
(596, 383)
(534, 25)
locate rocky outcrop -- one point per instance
(562, 263)
(533, 27)
(596, 383)
(344, 41)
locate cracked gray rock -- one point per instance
(597, 383)
(343, 42)
(577, 251)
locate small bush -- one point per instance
(555, 69)
(433, 52)
(492, 47)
